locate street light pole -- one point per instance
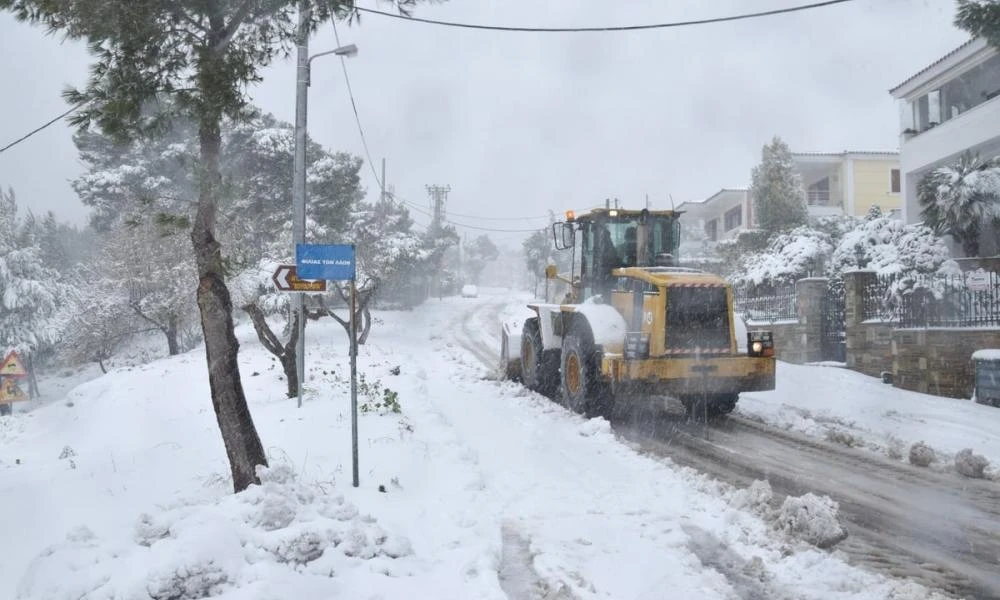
(299, 167)
(299, 181)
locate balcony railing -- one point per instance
(818, 197)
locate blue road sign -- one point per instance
(330, 262)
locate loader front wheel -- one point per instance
(582, 389)
(539, 367)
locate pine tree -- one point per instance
(776, 189)
(875, 212)
(30, 292)
(958, 200)
(981, 18)
(202, 56)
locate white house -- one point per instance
(722, 215)
(948, 108)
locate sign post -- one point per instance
(336, 263)
(11, 370)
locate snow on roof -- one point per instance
(713, 196)
(888, 153)
(934, 64)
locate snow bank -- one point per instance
(282, 535)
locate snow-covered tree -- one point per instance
(475, 255)
(202, 57)
(802, 252)
(874, 212)
(961, 199)
(981, 18)
(776, 190)
(30, 292)
(890, 247)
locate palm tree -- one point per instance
(960, 200)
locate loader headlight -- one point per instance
(760, 343)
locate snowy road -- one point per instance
(935, 528)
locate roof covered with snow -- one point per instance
(950, 60)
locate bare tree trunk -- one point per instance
(243, 446)
(285, 353)
(173, 348)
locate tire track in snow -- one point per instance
(935, 528)
(930, 527)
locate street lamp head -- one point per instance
(349, 50)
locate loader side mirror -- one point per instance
(563, 234)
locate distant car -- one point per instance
(470, 291)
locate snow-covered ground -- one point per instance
(860, 411)
(476, 489)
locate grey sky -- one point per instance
(521, 123)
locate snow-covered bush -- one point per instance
(921, 455)
(889, 247)
(971, 465)
(789, 257)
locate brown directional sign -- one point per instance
(286, 280)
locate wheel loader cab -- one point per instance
(612, 239)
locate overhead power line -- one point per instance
(709, 21)
(357, 117)
(40, 128)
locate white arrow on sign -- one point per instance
(286, 280)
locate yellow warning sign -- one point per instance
(12, 366)
(10, 392)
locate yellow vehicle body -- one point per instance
(635, 322)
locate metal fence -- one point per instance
(766, 303)
(968, 300)
(876, 302)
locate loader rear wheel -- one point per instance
(539, 367)
(583, 391)
(6, 409)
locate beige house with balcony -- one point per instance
(850, 182)
(843, 183)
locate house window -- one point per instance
(818, 193)
(894, 181)
(733, 218)
(712, 229)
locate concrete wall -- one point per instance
(938, 361)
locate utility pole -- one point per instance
(438, 195)
(382, 183)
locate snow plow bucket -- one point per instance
(510, 353)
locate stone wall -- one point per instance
(938, 361)
(869, 343)
(799, 341)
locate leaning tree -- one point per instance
(201, 55)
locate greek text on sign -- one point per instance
(329, 262)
